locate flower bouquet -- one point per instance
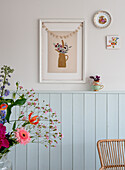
(96, 85)
(33, 121)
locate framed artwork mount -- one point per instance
(62, 51)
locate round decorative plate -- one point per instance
(102, 19)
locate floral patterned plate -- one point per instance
(102, 19)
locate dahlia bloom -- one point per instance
(3, 141)
(22, 136)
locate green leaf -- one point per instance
(14, 95)
(20, 102)
(14, 126)
(9, 100)
(8, 113)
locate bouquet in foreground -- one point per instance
(33, 122)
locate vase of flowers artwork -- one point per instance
(62, 49)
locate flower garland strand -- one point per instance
(62, 36)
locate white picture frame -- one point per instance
(44, 76)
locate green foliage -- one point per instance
(14, 126)
(18, 102)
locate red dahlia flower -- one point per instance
(3, 141)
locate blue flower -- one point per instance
(2, 87)
(7, 92)
(3, 116)
(8, 84)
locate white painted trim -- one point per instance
(74, 92)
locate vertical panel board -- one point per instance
(122, 116)
(43, 152)
(113, 116)
(100, 122)
(32, 156)
(90, 144)
(67, 131)
(55, 153)
(21, 162)
(12, 157)
(78, 132)
(21, 153)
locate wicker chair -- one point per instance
(112, 154)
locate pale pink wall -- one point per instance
(19, 39)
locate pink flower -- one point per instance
(21, 87)
(22, 112)
(46, 112)
(2, 130)
(34, 104)
(32, 89)
(29, 103)
(61, 136)
(22, 136)
(50, 110)
(24, 118)
(47, 137)
(3, 141)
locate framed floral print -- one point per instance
(62, 51)
(113, 42)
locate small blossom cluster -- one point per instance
(43, 125)
(4, 76)
(62, 49)
(96, 78)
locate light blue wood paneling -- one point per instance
(122, 116)
(44, 161)
(113, 116)
(55, 153)
(67, 154)
(86, 118)
(90, 139)
(100, 121)
(78, 132)
(32, 156)
(21, 157)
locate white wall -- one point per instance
(19, 39)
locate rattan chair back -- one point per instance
(111, 153)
